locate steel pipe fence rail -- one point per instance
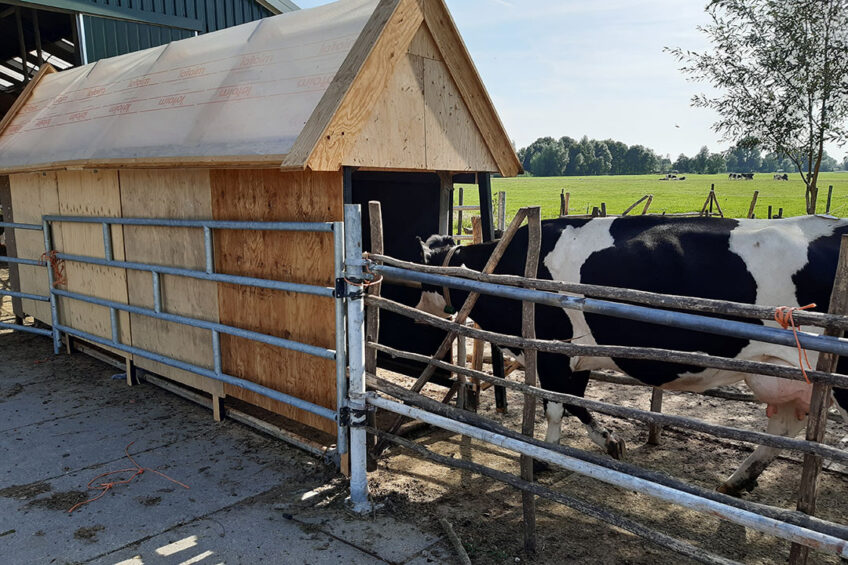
(566, 348)
(208, 273)
(209, 373)
(783, 530)
(704, 305)
(27, 329)
(584, 507)
(24, 261)
(203, 275)
(216, 327)
(727, 328)
(20, 226)
(211, 224)
(24, 295)
(728, 432)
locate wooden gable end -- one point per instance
(421, 121)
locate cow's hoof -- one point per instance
(540, 467)
(616, 448)
(737, 490)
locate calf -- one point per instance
(750, 261)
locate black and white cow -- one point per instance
(785, 263)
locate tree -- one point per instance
(548, 160)
(745, 156)
(716, 164)
(780, 67)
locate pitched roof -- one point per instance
(293, 90)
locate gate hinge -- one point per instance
(341, 290)
(354, 417)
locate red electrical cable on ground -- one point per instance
(783, 316)
(107, 486)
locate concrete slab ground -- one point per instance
(64, 420)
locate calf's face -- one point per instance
(433, 252)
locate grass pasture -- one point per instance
(619, 192)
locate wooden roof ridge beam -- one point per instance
(471, 87)
(332, 129)
(25, 95)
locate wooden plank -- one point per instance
(33, 195)
(24, 96)
(424, 45)
(182, 194)
(528, 331)
(394, 134)
(297, 257)
(471, 87)
(11, 247)
(454, 142)
(348, 102)
(92, 193)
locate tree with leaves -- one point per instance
(781, 70)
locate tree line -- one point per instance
(549, 157)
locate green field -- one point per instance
(619, 192)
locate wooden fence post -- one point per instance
(528, 331)
(372, 317)
(829, 195)
(459, 214)
(501, 214)
(603, 209)
(753, 204)
(819, 403)
(655, 430)
(564, 198)
(647, 204)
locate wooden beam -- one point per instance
(346, 105)
(819, 402)
(25, 96)
(22, 44)
(464, 73)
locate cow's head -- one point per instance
(433, 252)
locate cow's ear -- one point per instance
(423, 248)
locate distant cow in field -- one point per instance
(783, 176)
(752, 261)
(748, 176)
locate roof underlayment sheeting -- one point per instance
(243, 91)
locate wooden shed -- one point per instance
(283, 119)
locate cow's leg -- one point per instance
(574, 384)
(784, 420)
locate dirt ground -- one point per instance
(487, 515)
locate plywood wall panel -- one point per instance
(394, 135)
(180, 194)
(454, 142)
(97, 194)
(34, 195)
(269, 195)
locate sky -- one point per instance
(590, 67)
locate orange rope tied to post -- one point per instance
(58, 266)
(107, 486)
(783, 316)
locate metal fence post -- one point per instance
(356, 404)
(341, 339)
(54, 311)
